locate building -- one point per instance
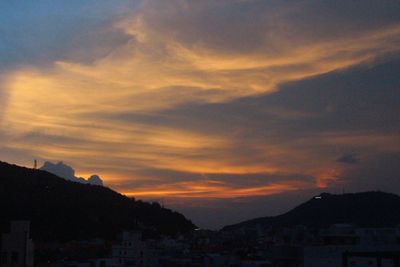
(346, 245)
(372, 259)
(133, 251)
(16, 246)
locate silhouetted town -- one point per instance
(338, 245)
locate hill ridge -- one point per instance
(367, 209)
(67, 210)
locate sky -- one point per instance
(223, 110)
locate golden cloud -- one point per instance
(212, 189)
(154, 71)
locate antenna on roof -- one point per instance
(35, 164)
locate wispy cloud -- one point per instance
(201, 88)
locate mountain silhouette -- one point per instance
(366, 209)
(62, 210)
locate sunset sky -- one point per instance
(223, 110)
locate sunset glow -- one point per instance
(205, 100)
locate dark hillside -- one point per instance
(64, 210)
(367, 209)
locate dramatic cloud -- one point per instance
(202, 101)
(64, 171)
(95, 180)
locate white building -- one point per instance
(16, 246)
(132, 251)
(359, 243)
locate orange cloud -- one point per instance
(324, 178)
(156, 71)
(212, 189)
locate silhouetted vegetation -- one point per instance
(368, 209)
(63, 210)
